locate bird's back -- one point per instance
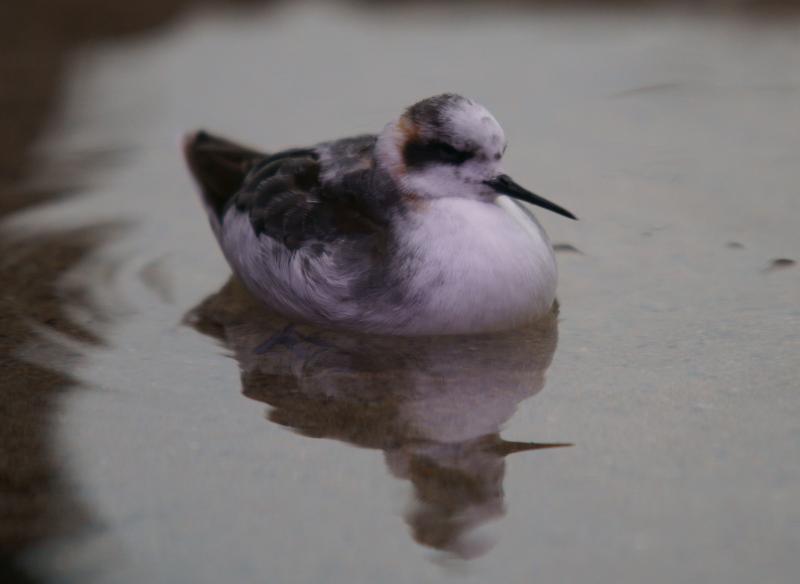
(298, 226)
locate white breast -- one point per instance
(479, 266)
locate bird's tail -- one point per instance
(219, 167)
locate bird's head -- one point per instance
(450, 146)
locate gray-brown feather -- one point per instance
(287, 200)
(309, 231)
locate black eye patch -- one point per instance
(418, 154)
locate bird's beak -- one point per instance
(504, 185)
(504, 447)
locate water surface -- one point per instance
(209, 443)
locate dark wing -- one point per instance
(282, 193)
(286, 200)
(219, 167)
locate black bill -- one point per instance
(504, 185)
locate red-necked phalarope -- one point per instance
(396, 233)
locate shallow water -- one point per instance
(204, 442)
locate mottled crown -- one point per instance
(450, 128)
(433, 112)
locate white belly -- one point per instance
(473, 267)
(479, 267)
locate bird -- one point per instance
(415, 230)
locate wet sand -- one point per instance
(674, 377)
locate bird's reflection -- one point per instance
(434, 405)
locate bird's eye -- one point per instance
(419, 154)
(446, 152)
(449, 154)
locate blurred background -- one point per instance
(127, 452)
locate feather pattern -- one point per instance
(374, 233)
